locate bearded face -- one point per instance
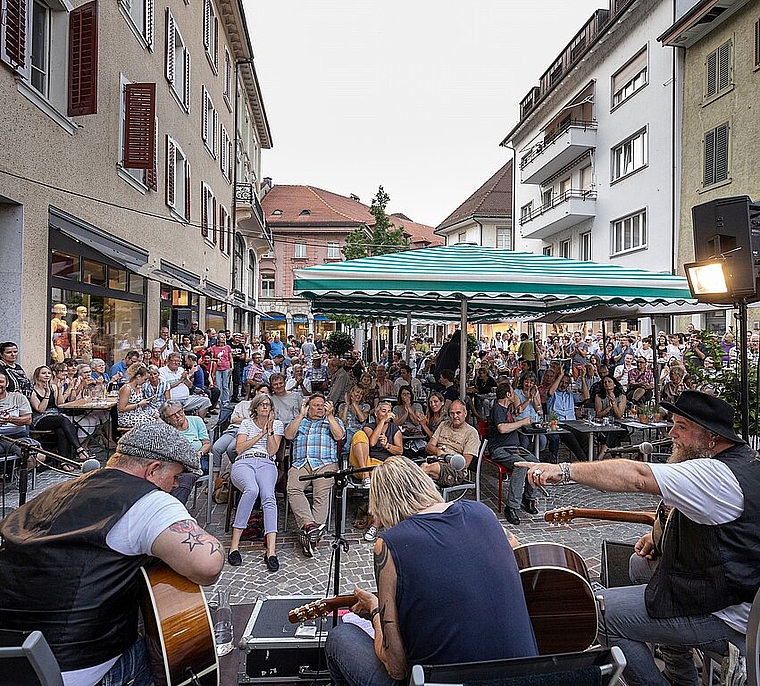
(690, 441)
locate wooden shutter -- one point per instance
(214, 132)
(13, 34)
(207, 24)
(724, 66)
(213, 220)
(186, 95)
(757, 43)
(140, 126)
(170, 47)
(222, 228)
(83, 60)
(149, 29)
(708, 176)
(171, 152)
(228, 70)
(188, 194)
(721, 153)
(711, 83)
(204, 115)
(216, 43)
(151, 175)
(204, 211)
(223, 151)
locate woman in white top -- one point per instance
(255, 475)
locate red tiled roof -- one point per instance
(492, 199)
(419, 235)
(310, 206)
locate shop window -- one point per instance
(117, 279)
(65, 266)
(93, 272)
(137, 284)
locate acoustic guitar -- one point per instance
(178, 629)
(558, 594)
(567, 514)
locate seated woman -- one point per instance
(435, 413)
(194, 430)
(640, 382)
(409, 417)
(353, 412)
(46, 416)
(154, 389)
(254, 473)
(610, 402)
(526, 403)
(99, 374)
(133, 407)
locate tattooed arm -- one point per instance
(389, 646)
(190, 551)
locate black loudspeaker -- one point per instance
(729, 227)
(614, 567)
(181, 320)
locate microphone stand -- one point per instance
(340, 477)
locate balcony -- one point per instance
(568, 209)
(557, 151)
(250, 219)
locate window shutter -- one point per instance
(709, 171)
(228, 68)
(140, 125)
(170, 66)
(151, 175)
(171, 152)
(188, 194)
(186, 98)
(757, 43)
(712, 76)
(214, 133)
(149, 29)
(83, 60)
(204, 212)
(222, 228)
(721, 153)
(216, 43)
(204, 115)
(13, 34)
(213, 220)
(724, 66)
(207, 24)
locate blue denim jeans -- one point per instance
(223, 384)
(352, 661)
(626, 624)
(131, 669)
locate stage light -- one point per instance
(709, 280)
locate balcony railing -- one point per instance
(588, 194)
(245, 196)
(539, 147)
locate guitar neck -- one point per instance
(320, 608)
(570, 513)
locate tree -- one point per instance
(339, 343)
(385, 237)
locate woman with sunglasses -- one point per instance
(255, 475)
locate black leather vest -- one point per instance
(58, 575)
(705, 568)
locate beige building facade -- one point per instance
(117, 167)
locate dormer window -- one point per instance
(276, 213)
(304, 213)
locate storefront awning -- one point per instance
(115, 249)
(176, 277)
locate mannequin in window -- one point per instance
(60, 346)
(81, 336)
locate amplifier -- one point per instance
(274, 651)
(614, 567)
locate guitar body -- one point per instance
(178, 630)
(559, 597)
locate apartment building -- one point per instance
(597, 144)
(720, 40)
(125, 125)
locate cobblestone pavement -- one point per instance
(299, 575)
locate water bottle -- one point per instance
(223, 622)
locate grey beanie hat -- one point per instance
(159, 441)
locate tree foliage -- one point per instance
(385, 237)
(339, 343)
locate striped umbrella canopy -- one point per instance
(491, 284)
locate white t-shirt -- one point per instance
(170, 348)
(180, 391)
(249, 429)
(134, 534)
(707, 492)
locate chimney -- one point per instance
(353, 196)
(266, 185)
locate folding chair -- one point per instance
(598, 667)
(467, 485)
(26, 660)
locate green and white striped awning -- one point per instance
(497, 284)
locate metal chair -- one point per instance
(598, 667)
(467, 485)
(26, 660)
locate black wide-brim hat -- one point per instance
(709, 411)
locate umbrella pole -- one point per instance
(463, 351)
(409, 339)
(655, 364)
(604, 342)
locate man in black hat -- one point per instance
(71, 558)
(709, 568)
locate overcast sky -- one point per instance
(414, 96)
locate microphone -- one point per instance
(643, 448)
(456, 461)
(90, 465)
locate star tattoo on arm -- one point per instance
(195, 536)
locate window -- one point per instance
(139, 132)
(585, 239)
(586, 178)
(629, 233)
(177, 62)
(716, 155)
(564, 248)
(564, 186)
(208, 213)
(209, 123)
(547, 250)
(40, 54)
(333, 251)
(225, 154)
(504, 237)
(267, 285)
(211, 34)
(299, 250)
(177, 180)
(629, 156)
(631, 78)
(546, 197)
(228, 79)
(251, 274)
(462, 238)
(718, 71)
(526, 210)
(225, 230)
(141, 19)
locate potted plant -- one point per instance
(553, 420)
(657, 413)
(644, 411)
